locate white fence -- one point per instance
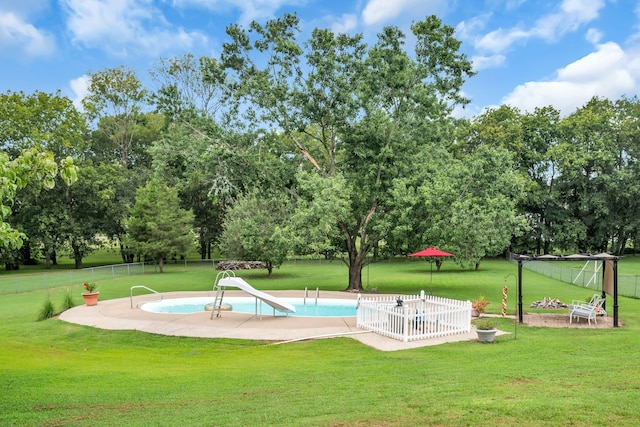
(414, 317)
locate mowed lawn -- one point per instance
(59, 374)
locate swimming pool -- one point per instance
(326, 307)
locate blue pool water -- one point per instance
(326, 307)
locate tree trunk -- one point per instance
(203, 248)
(25, 251)
(123, 253)
(77, 256)
(355, 276)
(269, 267)
(355, 265)
(161, 264)
(9, 266)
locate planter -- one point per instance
(474, 313)
(91, 298)
(486, 335)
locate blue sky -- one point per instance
(527, 53)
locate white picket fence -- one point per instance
(414, 317)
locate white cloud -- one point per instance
(79, 87)
(466, 30)
(249, 9)
(484, 62)
(570, 16)
(346, 23)
(593, 36)
(379, 11)
(609, 72)
(16, 33)
(124, 27)
(499, 40)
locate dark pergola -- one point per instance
(577, 257)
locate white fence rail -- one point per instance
(414, 317)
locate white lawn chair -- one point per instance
(589, 310)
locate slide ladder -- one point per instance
(219, 290)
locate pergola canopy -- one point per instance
(574, 257)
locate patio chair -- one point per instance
(589, 310)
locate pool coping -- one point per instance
(117, 314)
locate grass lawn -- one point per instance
(55, 374)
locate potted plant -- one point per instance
(479, 306)
(486, 330)
(91, 295)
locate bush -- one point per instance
(68, 301)
(47, 311)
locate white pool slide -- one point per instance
(239, 283)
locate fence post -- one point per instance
(405, 328)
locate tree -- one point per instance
(157, 226)
(46, 123)
(472, 205)
(188, 86)
(31, 167)
(115, 98)
(364, 112)
(587, 155)
(254, 229)
(529, 139)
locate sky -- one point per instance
(527, 53)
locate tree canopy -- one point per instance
(326, 146)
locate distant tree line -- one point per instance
(327, 146)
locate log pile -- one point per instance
(547, 302)
(240, 265)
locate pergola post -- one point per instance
(520, 291)
(615, 293)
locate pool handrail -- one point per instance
(143, 287)
(222, 275)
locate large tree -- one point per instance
(363, 111)
(49, 127)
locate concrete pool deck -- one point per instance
(117, 314)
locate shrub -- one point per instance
(47, 311)
(68, 301)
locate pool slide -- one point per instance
(237, 282)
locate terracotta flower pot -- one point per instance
(91, 298)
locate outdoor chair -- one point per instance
(589, 310)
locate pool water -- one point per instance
(327, 307)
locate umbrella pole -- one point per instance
(431, 285)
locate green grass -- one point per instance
(54, 373)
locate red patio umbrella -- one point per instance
(431, 253)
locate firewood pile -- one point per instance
(547, 302)
(240, 265)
